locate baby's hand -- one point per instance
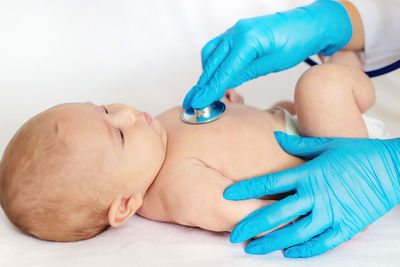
(232, 96)
(348, 58)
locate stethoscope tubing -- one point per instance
(373, 73)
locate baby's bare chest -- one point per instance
(239, 145)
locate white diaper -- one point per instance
(376, 128)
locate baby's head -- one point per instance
(73, 170)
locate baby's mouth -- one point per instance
(148, 118)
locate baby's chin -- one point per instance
(159, 129)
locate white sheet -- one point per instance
(147, 54)
(146, 243)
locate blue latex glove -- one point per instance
(347, 185)
(261, 45)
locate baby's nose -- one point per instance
(129, 115)
(123, 115)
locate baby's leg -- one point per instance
(285, 104)
(329, 101)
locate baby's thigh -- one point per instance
(327, 105)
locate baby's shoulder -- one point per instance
(190, 190)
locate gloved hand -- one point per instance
(347, 185)
(261, 45)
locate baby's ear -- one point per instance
(122, 208)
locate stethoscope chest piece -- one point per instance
(208, 114)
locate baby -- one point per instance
(77, 168)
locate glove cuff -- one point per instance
(332, 24)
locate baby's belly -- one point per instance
(258, 153)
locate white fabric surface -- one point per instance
(147, 54)
(146, 243)
(381, 31)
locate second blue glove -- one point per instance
(347, 185)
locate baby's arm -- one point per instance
(195, 199)
(330, 99)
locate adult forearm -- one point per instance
(357, 40)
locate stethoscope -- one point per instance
(217, 109)
(205, 115)
(372, 73)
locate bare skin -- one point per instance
(188, 189)
(162, 168)
(203, 160)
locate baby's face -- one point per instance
(127, 144)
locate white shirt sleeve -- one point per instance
(381, 21)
